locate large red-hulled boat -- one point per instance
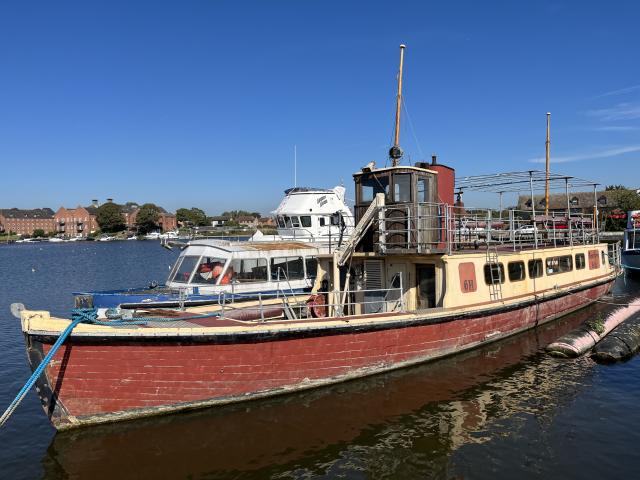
(420, 278)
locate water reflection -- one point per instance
(401, 424)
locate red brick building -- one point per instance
(73, 222)
(167, 221)
(25, 222)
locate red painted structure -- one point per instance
(98, 380)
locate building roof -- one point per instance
(558, 201)
(21, 213)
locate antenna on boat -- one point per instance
(546, 183)
(396, 152)
(295, 166)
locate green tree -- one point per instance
(625, 200)
(38, 232)
(615, 187)
(110, 218)
(193, 216)
(241, 213)
(147, 218)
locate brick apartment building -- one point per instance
(167, 221)
(25, 222)
(73, 222)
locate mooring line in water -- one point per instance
(38, 371)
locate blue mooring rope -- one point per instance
(83, 315)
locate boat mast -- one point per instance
(546, 183)
(396, 152)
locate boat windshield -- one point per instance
(209, 270)
(184, 268)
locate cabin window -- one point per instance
(287, 268)
(493, 273)
(295, 222)
(280, 221)
(209, 270)
(402, 187)
(535, 268)
(604, 257)
(312, 267)
(594, 259)
(246, 270)
(372, 185)
(467, 274)
(305, 221)
(516, 271)
(287, 221)
(423, 190)
(580, 261)
(185, 268)
(559, 264)
(321, 221)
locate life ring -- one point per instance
(317, 304)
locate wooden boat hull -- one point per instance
(102, 379)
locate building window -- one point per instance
(493, 273)
(580, 261)
(516, 271)
(535, 268)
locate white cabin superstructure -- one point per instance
(210, 267)
(316, 215)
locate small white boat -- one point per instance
(106, 238)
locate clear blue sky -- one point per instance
(199, 103)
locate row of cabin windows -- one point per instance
(374, 184)
(494, 272)
(304, 221)
(294, 221)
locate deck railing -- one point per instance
(319, 305)
(429, 227)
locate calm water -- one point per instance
(504, 411)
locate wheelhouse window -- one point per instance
(580, 261)
(371, 185)
(295, 222)
(560, 264)
(305, 221)
(422, 190)
(535, 268)
(185, 268)
(516, 271)
(280, 220)
(493, 273)
(283, 268)
(402, 187)
(247, 270)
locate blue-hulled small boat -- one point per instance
(209, 271)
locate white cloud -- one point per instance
(611, 152)
(622, 111)
(620, 91)
(615, 128)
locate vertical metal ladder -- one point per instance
(495, 288)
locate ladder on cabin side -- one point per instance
(343, 252)
(495, 272)
(286, 304)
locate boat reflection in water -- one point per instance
(405, 422)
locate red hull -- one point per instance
(118, 379)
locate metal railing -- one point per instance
(428, 227)
(318, 305)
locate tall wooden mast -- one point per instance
(546, 183)
(396, 152)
